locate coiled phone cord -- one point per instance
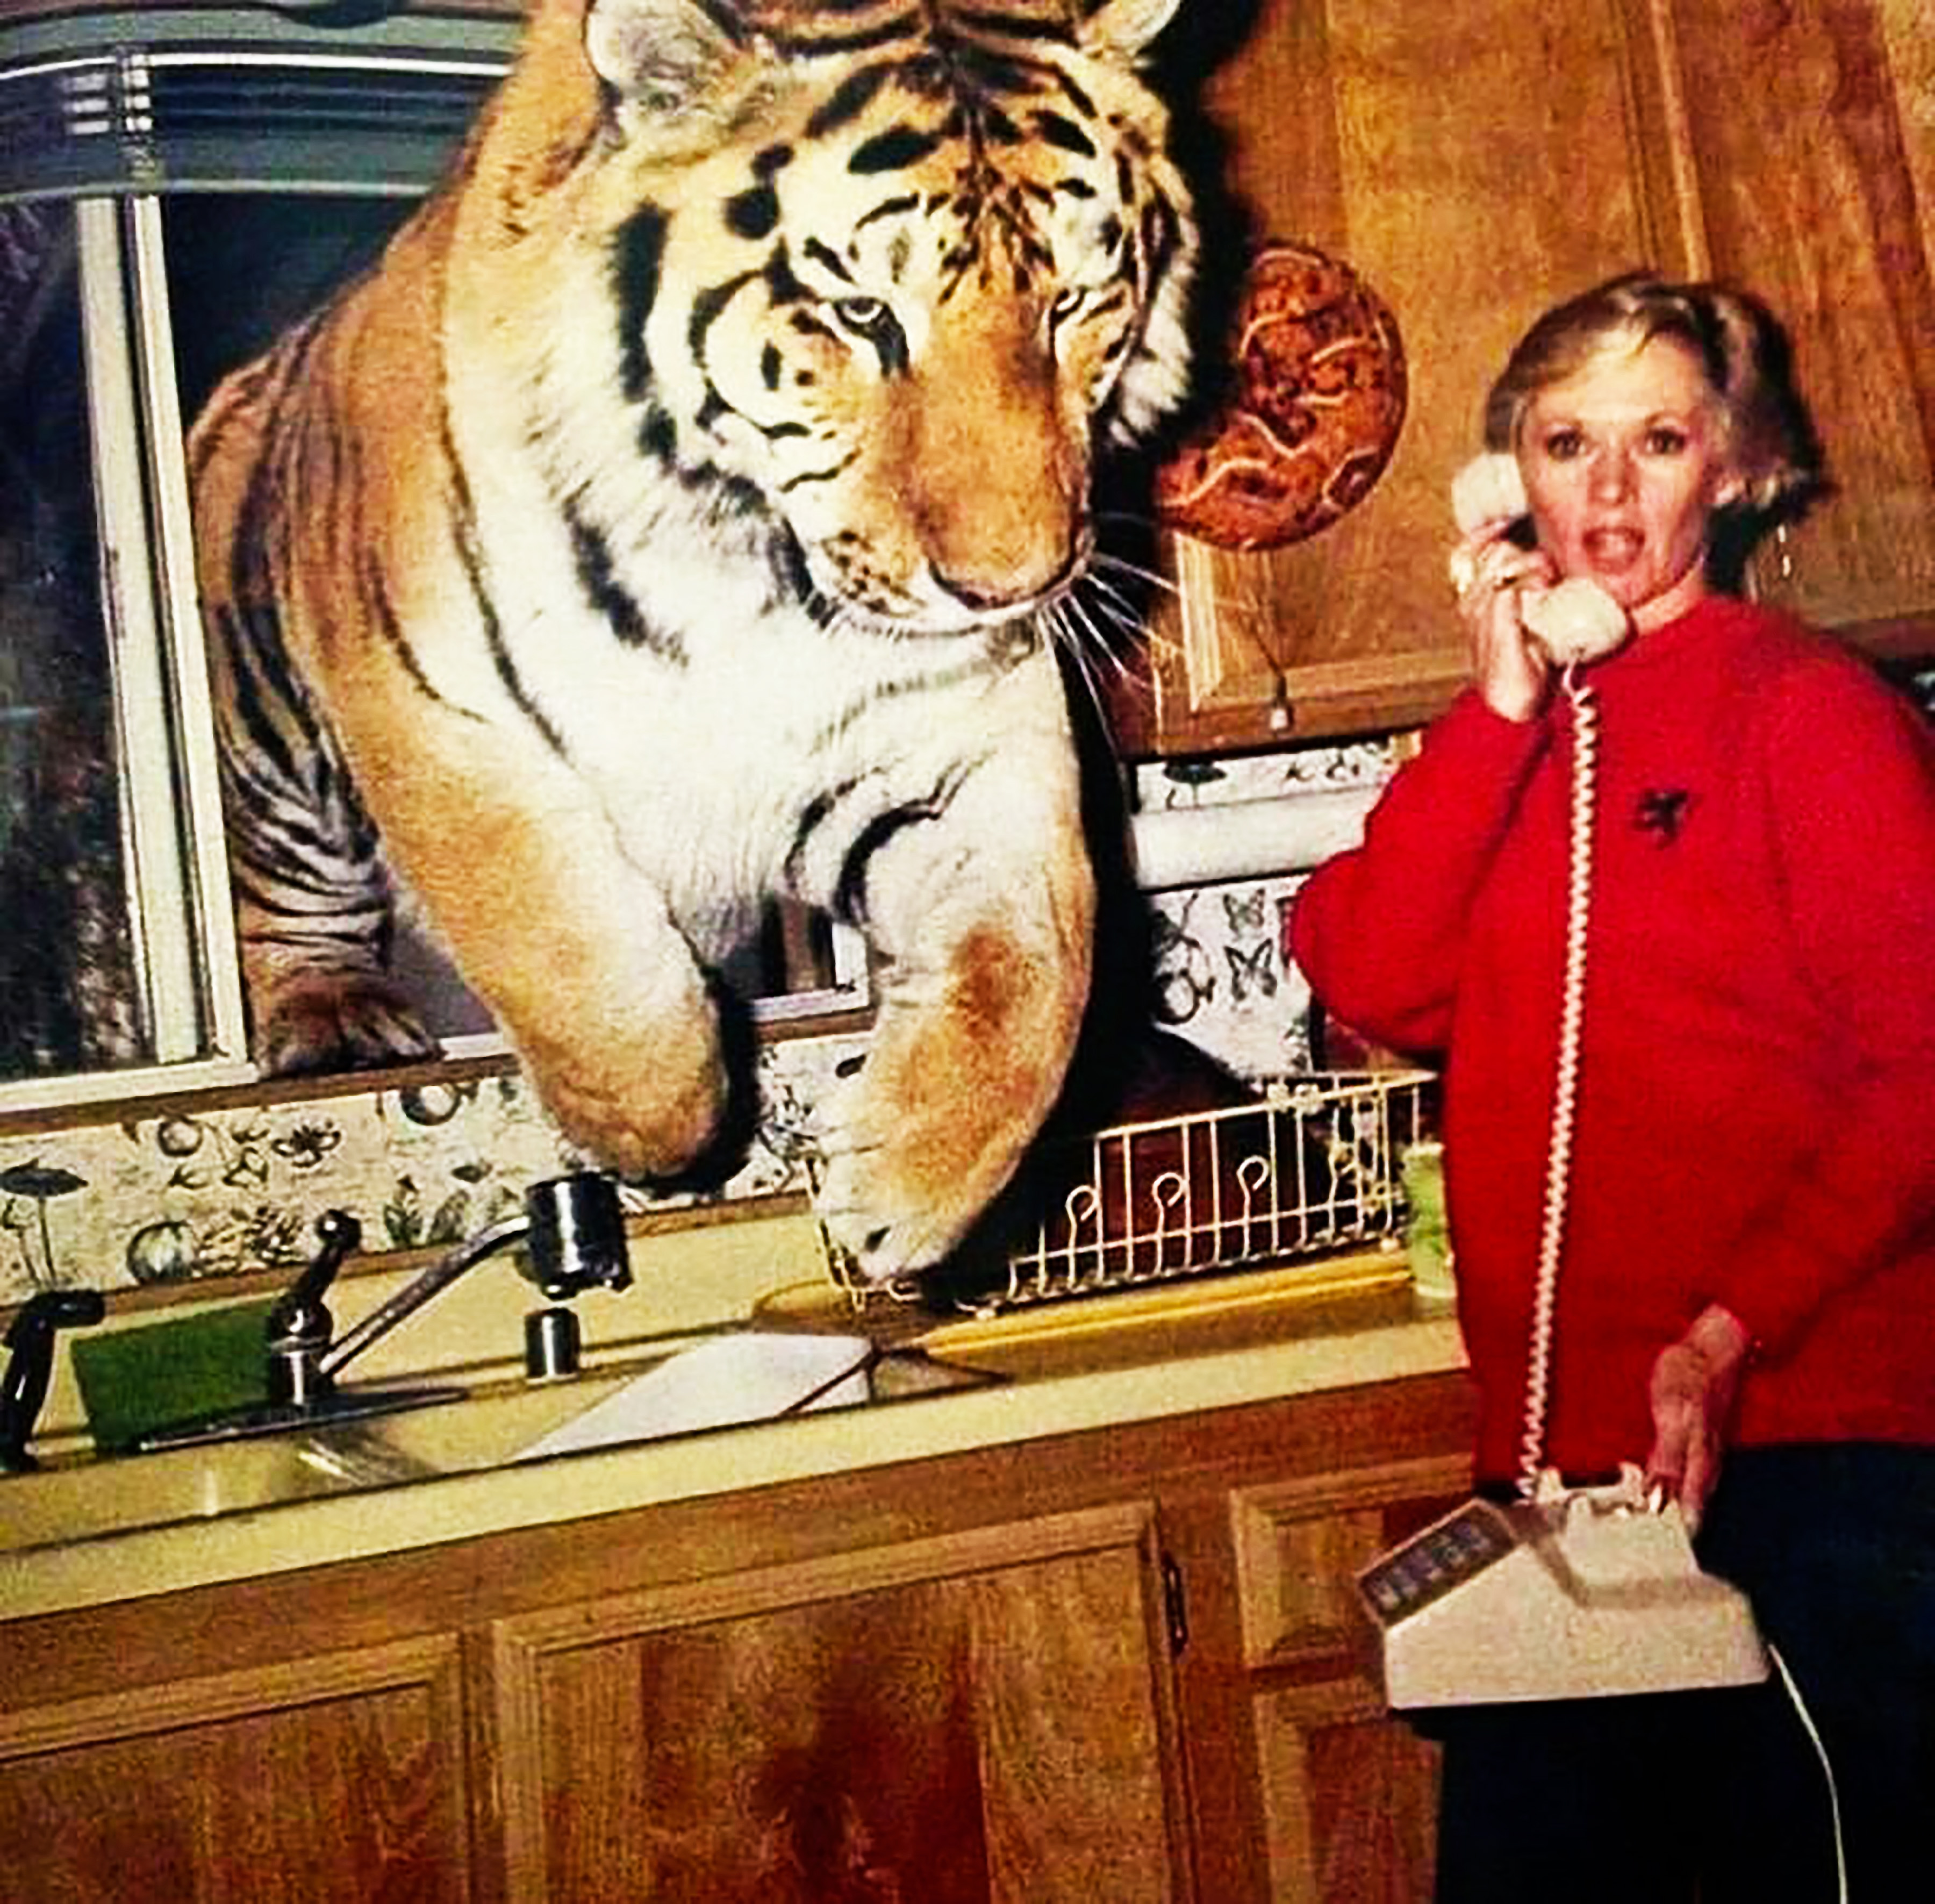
(1565, 1089)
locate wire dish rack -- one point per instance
(1312, 1166)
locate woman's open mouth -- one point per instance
(1613, 549)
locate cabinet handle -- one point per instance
(1176, 1607)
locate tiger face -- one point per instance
(929, 255)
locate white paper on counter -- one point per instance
(752, 1376)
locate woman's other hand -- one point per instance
(1694, 1384)
(1509, 669)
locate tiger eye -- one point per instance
(862, 314)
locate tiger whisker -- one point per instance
(1122, 610)
(1103, 613)
(1151, 639)
(1222, 603)
(1090, 650)
(1080, 658)
(1133, 571)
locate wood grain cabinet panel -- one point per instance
(1349, 1794)
(1806, 140)
(1351, 1797)
(978, 1717)
(1299, 1545)
(338, 1780)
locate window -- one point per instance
(119, 955)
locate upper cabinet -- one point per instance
(1476, 163)
(1814, 184)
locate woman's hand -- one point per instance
(1695, 1384)
(1509, 669)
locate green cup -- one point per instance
(1427, 1241)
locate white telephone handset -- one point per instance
(1567, 1592)
(1576, 621)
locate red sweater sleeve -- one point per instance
(1379, 931)
(1852, 794)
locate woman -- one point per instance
(1746, 1296)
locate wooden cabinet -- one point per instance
(1475, 163)
(1349, 1798)
(334, 1779)
(1119, 1665)
(986, 1714)
(1807, 132)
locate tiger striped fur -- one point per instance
(667, 522)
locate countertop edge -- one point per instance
(435, 1512)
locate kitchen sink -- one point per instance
(734, 1379)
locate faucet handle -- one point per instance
(30, 1342)
(577, 1236)
(299, 1326)
(301, 1312)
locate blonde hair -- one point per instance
(1742, 352)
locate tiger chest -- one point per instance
(718, 769)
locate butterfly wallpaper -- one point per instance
(1221, 981)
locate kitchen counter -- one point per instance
(1054, 1369)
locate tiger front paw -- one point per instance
(883, 1234)
(352, 1022)
(900, 1185)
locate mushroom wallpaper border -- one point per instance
(175, 1196)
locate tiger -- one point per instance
(683, 512)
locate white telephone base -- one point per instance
(1575, 1595)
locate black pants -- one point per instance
(1720, 1796)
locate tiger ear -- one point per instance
(1123, 27)
(665, 56)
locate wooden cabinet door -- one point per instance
(1350, 1794)
(975, 1717)
(338, 1780)
(1808, 128)
(1473, 162)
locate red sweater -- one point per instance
(1756, 1122)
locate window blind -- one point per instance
(158, 101)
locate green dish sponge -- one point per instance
(134, 1379)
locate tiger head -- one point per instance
(867, 280)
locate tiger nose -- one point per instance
(1011, 539)
(987, 592)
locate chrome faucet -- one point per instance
(573, 1226)
(574, 1232)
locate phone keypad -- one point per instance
(1446, 1554)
